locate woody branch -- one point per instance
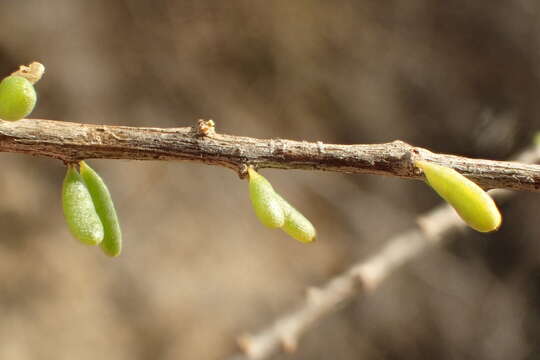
(71, 142)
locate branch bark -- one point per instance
(71, 142)
(361, 279)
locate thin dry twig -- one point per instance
(361, 279)
(71, 142)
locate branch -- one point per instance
(361, 279)
(71, 142)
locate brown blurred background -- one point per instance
(198, 269)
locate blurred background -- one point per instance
(198, 269)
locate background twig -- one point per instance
(72, 142)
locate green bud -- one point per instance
(17, 98)
(470, 201)
(79, 211)
(264, 201)
(296, 224)
(112, 239)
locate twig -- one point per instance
(71, 142)
(361, 279)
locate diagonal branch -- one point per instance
(361, 279)
(71, 142)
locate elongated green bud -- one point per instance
(17, 98)
(112, 239)
(296, 224)
(471, 202)
(264, 201)
(81, 216)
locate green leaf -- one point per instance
(471, 202)
(264, 201)
(112, 239)
(17, 98)
(79, 211)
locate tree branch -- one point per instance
(361, 279)
(71, 142)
